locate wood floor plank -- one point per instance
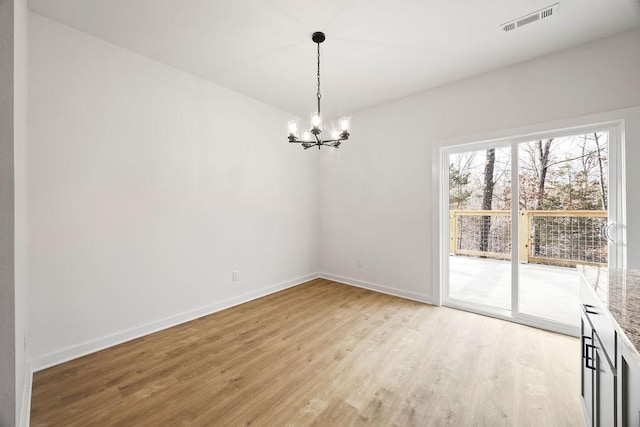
(322, 353)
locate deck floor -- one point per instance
(545, 291)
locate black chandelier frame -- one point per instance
(318, 37)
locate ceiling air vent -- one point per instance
(529, 18)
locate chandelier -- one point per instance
(313, 137)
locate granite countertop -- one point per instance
(619, 291)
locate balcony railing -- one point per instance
(564, 238)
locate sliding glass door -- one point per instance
(522, 214)
(480, 227)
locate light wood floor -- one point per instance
(322, 353)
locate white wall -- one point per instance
(146, 188)
(23, 379)
(14, 372)
(377, 196)
(7, 252)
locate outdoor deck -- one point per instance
(545, 291)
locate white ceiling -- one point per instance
(376, 50)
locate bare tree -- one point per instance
(603, 191)
(544, 151)
(487, 198)
(532, 190)
(460, 170)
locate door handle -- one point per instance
(588, 359)
(584, 345)
(606, 231)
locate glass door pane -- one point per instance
(563, 209)
(480, 227)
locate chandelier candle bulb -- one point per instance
(306, 136)
(344, 125)
(316, 122)
(293, 129)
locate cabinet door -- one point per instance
(586, 372)
(605, 389)
(630, 378)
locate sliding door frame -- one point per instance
(616, 205)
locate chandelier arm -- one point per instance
(335, 140)
(326, 142)
(330, 145)
(318, 141)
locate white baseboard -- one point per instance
(379, 288)
(42, 362)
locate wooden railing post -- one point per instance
(523, 236)
(453, 232)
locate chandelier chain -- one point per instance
(318, 94)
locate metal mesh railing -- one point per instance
(481, 234)
(568, 238)
(562, 238)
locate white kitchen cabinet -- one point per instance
(610, 372)
(586, 373)
(629, 388)
(599, 379)
(604, 388)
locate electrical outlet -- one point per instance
(234, 275)
(359, 262)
